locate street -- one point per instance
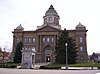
(32, 71)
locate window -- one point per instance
(24, 40)
(81, 48)
(48, 39)
(43, 39)
(81, 39)
(81, 58)
(29, 40)
(17, 40)
(33, 40)
(52, 39)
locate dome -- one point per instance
(51, 10)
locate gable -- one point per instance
(48, 28)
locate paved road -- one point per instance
(31, 71)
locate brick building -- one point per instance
(4, 57)
(44, 38)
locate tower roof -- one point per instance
(20, 27)
(80, 25)
(51, 10)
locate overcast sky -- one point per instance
(30, 14)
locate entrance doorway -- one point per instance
(48, 54)
(48, 59)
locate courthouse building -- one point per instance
(44, 38)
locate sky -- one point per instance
(29, 13)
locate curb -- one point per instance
(79, 68)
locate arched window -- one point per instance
(48, 50)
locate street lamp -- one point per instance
(66, 57)
(33, 54)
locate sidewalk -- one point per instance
(37, 65)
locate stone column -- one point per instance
(55, 41)
(40, 43)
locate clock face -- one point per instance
(50, 18)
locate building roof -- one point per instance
(51, 10)
(48, 28)
(20, 27)
(5, 54)
(80, 25)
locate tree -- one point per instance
(18, 53)
(61, 48)
(94, 57)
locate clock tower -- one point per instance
(51, 18)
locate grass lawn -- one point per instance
(88, 64)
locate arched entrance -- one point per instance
(48, 54)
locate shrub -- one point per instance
(49, 67)
(13, 66)
(8, 65)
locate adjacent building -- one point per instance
(4, 57)
(95, 57)
(44, 38)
